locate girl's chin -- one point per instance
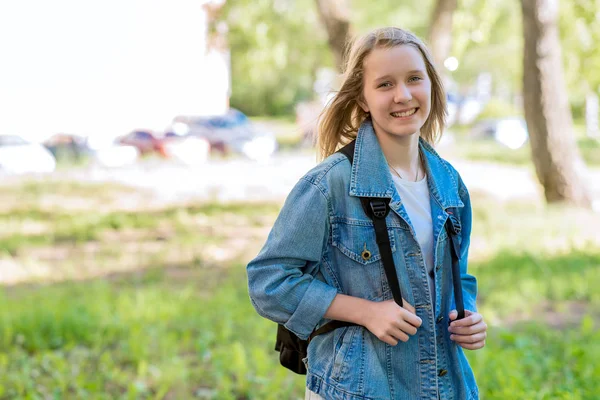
(398, 129)
(404, 129)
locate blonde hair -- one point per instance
(340, 120)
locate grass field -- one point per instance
(102, 302)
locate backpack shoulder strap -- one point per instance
(377, 209)
(453, 230)
(348, 151)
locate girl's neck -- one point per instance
(402, 154)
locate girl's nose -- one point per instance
(402, 94)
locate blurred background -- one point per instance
(146, 148)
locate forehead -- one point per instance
(396, 60)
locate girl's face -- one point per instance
(397, 90)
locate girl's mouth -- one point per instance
(404, 114)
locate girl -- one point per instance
(321, 260)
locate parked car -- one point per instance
(511, 132)
(186, 149)
(70, 147)
(18, 156)
(231, 132)
(144, 141)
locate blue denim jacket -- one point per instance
(314, 252)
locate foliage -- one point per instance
(580, 32)
(497, 108)
(487, 37)
(276, 48)
(590, 150)
(278, 45)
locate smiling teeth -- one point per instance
(405, 113)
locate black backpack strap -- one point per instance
(453, 229)
(348, 151)
(377, 209)
(328, 327)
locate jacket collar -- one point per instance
(368, 181)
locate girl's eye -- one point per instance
(415, 79)
(385, 84)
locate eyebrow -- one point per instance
(414, 71)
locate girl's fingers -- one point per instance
(469, 319)
(406, 305)
(406, 327)
(398, 334)
(469, 339)
(390, 340)
(468, 330)
(472, 346)
(454, 314)
(413, 320)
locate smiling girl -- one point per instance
(321, 261)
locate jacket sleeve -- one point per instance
(281, 280)
(469, 282)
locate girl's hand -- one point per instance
(469, 332)
(390, 322)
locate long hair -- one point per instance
(341, 118)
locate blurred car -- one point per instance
(65, 146)
(144, 141)
(187, 149)
(511, 132)
(231, 132)
(18, 156)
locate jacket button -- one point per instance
(442, 372)
(440, 319)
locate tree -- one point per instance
(486, 38)
(335, 15)
(276, 49)
(440, 30)
(580, 33)
(554, 151)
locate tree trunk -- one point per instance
(335, 16)
(440, 31)
(554, 151)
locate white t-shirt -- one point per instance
(415, 198)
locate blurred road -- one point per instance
(241, 179)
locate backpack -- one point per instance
(293, 350)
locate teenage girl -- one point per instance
(321, 260)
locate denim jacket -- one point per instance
(314, 252)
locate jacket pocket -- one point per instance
(345, 352)
(356, 240)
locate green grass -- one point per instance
(180, 326)
(138, 340)
(61, 226)
(531, 361)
